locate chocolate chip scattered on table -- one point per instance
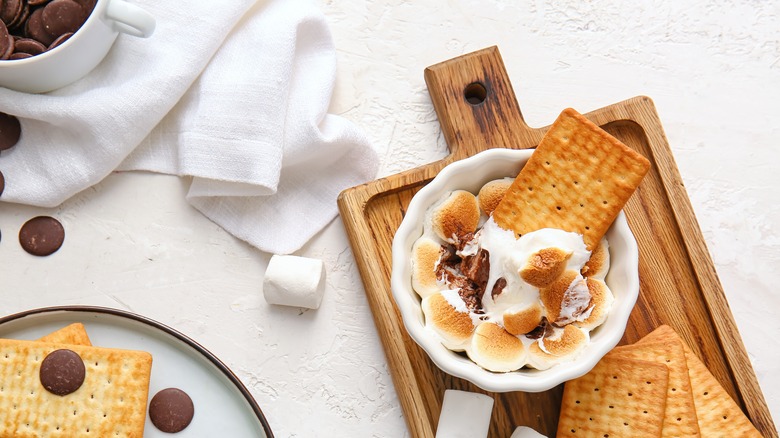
(42, 235)
(32, 27)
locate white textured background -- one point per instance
(712, 68)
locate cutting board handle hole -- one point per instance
(475, 93)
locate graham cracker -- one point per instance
(74, 334)
(619, 397)
(680, 415)
(718, 414)
(578, 179)
(110, 403)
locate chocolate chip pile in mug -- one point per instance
(31, 27)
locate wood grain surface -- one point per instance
(477, 110)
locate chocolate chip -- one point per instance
(60, 39)
(62, 16)
(10, 131)
(35, 28)
(88, 5)
(171, 410)
(21, 18)
(20, 55)
(6, 42)
(47, 22)
(10, 11)
(62, 372)
(29, 46)
(41, 236)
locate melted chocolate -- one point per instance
(477, 268)
(498, 287)
(543, 329)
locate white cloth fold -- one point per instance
(234, 94)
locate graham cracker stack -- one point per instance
(577, 179)
(718, 414)
(680, 416)
(692, 402)
(111, 401)
(619, 397)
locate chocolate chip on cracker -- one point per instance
(110, 403)
(171, 410)
(42, 235)
(62, 372)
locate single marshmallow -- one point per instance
(495, 349)
(526, 432)
(294, 281)
(464, 415)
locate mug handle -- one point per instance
(130, 19)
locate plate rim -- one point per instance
(231, 376)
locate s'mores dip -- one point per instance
(513, 274)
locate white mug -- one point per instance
(81, 53)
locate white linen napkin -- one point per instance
(234, 94)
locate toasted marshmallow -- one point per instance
(564, 345)
(601, 299)
(456, 216)
(522, 319)
(598, 264)
(567, 299)
(495, 349)
(426, 253)
(492, 193)
(446, 314)
(545, 266)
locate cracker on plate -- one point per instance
(74, 334)
(111, 401)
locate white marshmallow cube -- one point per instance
(526, 432)
(294, 281)
(464, 414)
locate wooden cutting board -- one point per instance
(477, 110)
